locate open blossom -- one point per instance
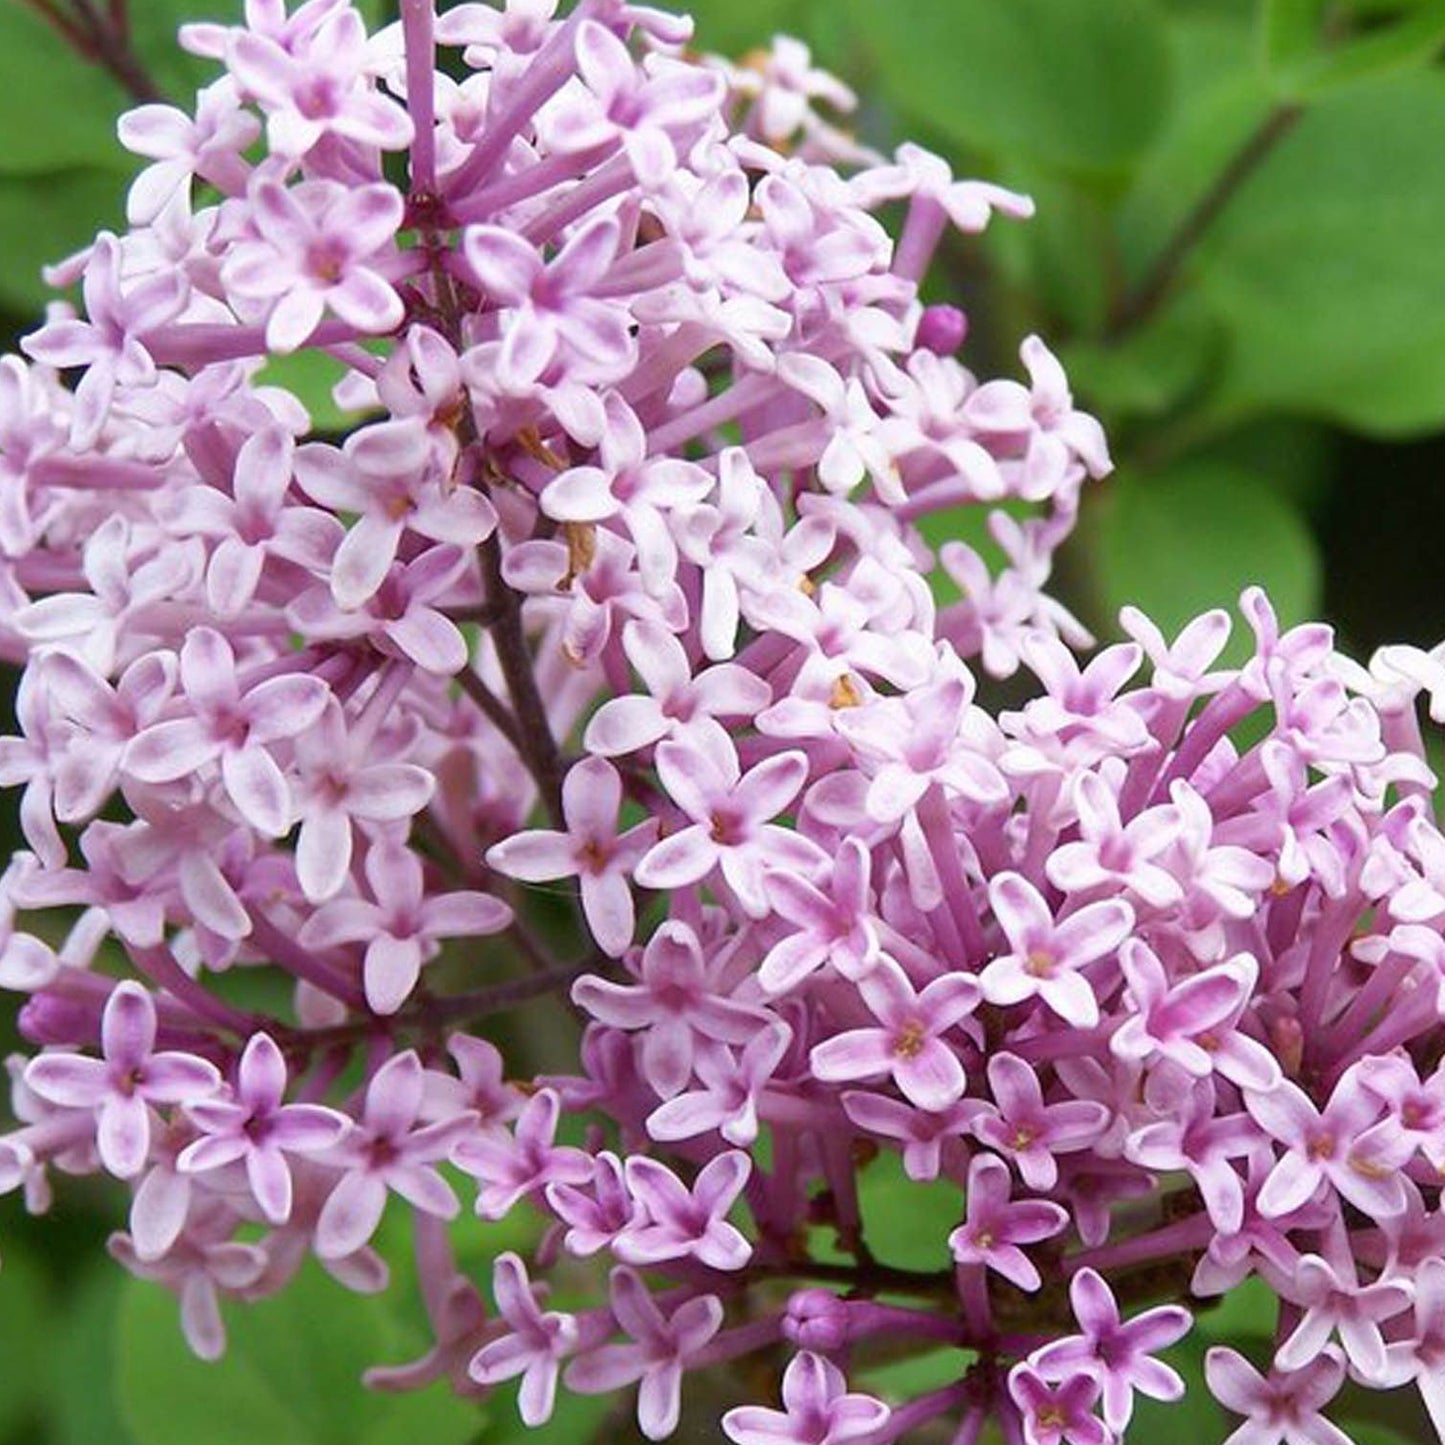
(1282, 1409)
(122, 1085)
(582, 665)
(594, 852)
(1047, 955)
(817, 1409)
(535, 1346)
(655, 1355)
(1119, 1354)
(995, 1228)
(313, 252)
(255, 1127)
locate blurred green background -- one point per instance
(1240, 255)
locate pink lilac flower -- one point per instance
(1346, 1144)
(256, 1128)
(593, 851)
(675, 699)
(675, 1220)
(817, 1409)
(232, 725)
(609, 561)
(1191, 1024)
(523, 1164)
(675, 1003)
(729, 812)
(1119, 1353)
(833, 928)
(908, 1044)
(316, 250)
(1026, 1130)
(404, 927)
(1335, 1302)
(729, 1099)
(1046, 955)
(1282, 1408)
(534, 1347)
(206, 1263)
(387, 1152)
(993, 1228)
(122, 1085)
(658, 1353)
(1061, 1414)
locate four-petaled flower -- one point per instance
(909, 1042)
(1118, 1353)
(122, 1085)
(993, 1228)
(817, 1409)
(662, 1347)
(592, 850)
(254, 1126)
(534, 1347)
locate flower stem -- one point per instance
(1135, 308)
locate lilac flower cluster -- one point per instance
(613, 585)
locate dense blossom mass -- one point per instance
(589, 648)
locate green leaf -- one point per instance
(82, 1347)
(1079, 84)
(1182, 541)
(1304, 67)
(1221, 96)
(309, 376)
(1328, 265)
(291, 1374)
(726, 28)
(1290, 32)
(1249, 1309)
(906, 1223)
(44, 219)
(1151, 370)
(1374, 1432)
(25, 1322)
(56, 112)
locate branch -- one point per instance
(103, 39)
(1135, 308)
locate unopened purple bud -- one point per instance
(816, 1319)
(54, 1018)
(941, 329)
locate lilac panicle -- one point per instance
(586, 662)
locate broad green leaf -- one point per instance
(44, 219)
(26, 1318)
(1150, 371)
(1249, 1309)
(1051, 273)
(1376, 1432)
(310, 376)
(1182, 541)
(1290, 32)
(914, 1375)
(291, 1374)
(724, 27)
(1304, 67)
(56, 112)
(1221, 97)
(907, 1223)
(1329, 264)
(1090, 97)
(83, 1348)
